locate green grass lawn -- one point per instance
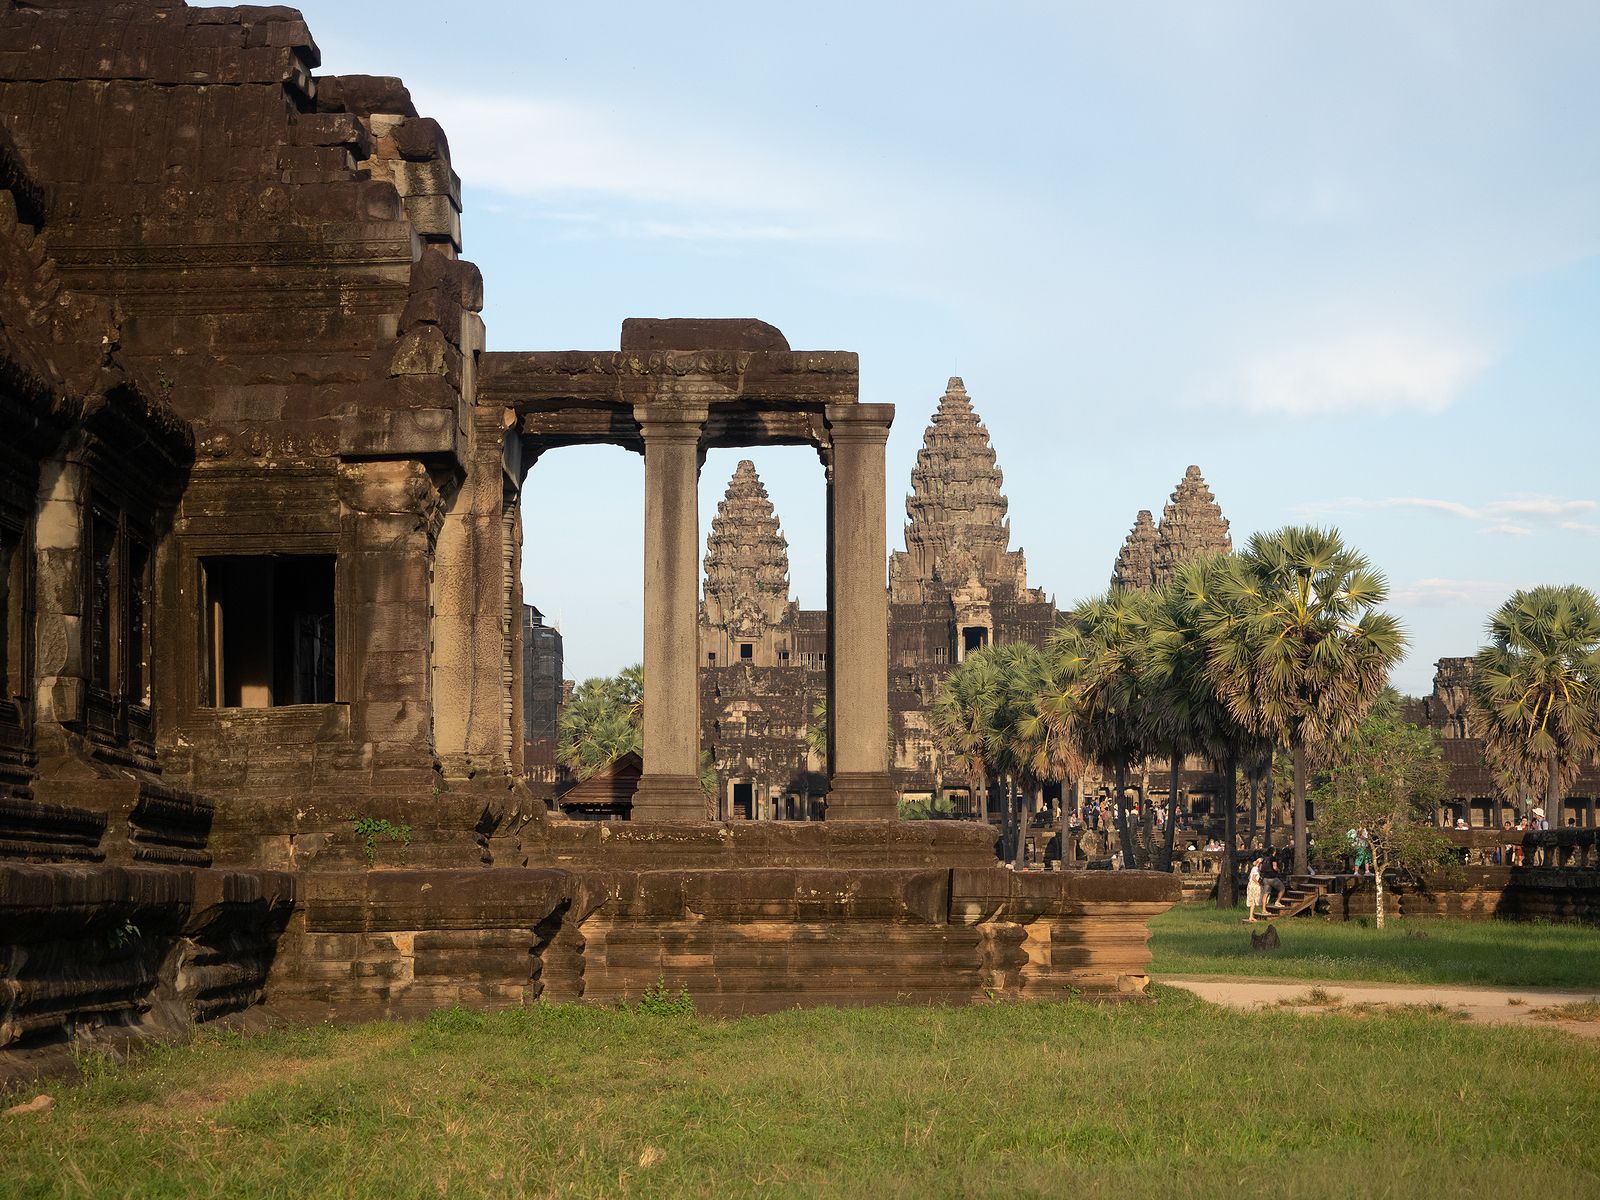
(1175, 1098)
(1192, 939)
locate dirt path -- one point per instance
(1484, 1005)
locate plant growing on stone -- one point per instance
(1536, 691)
(370, 829)
(658, 1001)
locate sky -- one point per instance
(1345, 258)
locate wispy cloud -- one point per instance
(1375, 371)
(1515, 516)
(662, 178)
(1442, 593)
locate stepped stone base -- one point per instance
(400, 943)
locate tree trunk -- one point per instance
(1377, 875)
(1301, 865)
(1061, 820)
(1172, 810)
(1552, 794)
(1227, 893)
(1024, 804)
(1266, 837)
(1129, 860)
(1147, 829)
(988, 787)
(1255, 795)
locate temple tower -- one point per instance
(1136, 564)
(747, 615)
(1192, 525)
(957, 533)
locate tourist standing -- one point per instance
(1252, 893)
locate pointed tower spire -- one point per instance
(747, 557)
(1136, 564)
(1192, 525)
(956, 513)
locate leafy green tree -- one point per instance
(1536, 691)
(1094, 688)
(1301, 647)
(1388, 781)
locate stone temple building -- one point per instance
(957, 586)
(543, 690)
(262, 634)
(1475, 797)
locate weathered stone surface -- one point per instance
(112, 952)
(751, 940)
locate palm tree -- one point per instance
(600, 722)
(1094, 690)
(1536, 691)
(1305, 648)
(962, 719)
(1029, 749)
(1193, 624)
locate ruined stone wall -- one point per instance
(283, 251)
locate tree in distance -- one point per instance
(1536, 691)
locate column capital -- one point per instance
(670, 422)
(859, 422)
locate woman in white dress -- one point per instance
(1252, 893)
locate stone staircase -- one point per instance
(1306, 895)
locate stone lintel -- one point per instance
(555, 380)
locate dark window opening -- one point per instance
(744, 799)
(974, 637)
(137, 607)
(13, 621)
(270, 630)
(746, 651)
(783, 658)
(711, 658)
(102, 598)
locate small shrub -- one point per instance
(370, 829)
(659, 1002)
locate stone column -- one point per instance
(858, 616)
(669, 789)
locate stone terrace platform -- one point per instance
(747, 918)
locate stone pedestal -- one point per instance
(858, 605)
(669, 789)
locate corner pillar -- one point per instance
(669, 788)
(860, 788)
